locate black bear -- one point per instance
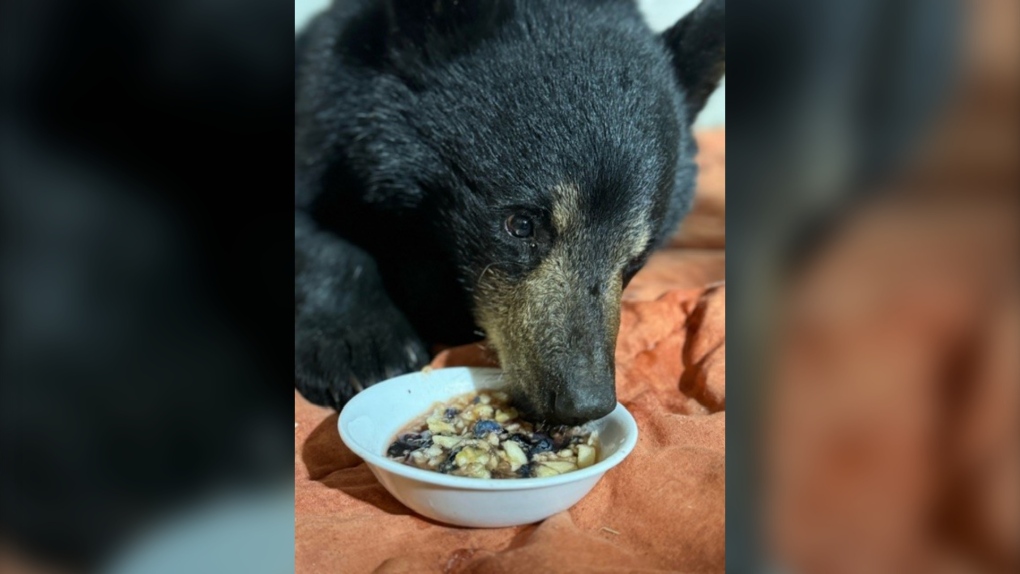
(487, 168)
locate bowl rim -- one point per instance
(466, 483)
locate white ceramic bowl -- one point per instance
(371, 420)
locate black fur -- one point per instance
(420, 126)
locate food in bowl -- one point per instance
(481, 435)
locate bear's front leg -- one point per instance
(348, 334)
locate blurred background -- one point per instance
(146, 275)
(146, 280)
(874, 293)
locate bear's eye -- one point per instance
(520, 226)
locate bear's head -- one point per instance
(549, 145)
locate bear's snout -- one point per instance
(576, 405)
(555, 330)
(566, 390)
(585, 388)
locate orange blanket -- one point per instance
(661, 510)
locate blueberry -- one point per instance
(524, 471)
(541, 443)
(450, 464)
(422, 440)
(398, 449)
(449, 413)
(410, 442)
(484, 427)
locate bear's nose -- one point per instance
(583, 405)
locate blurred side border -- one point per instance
(872, 151)
(147, 263)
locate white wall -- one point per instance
(305, 9)
(660, 14)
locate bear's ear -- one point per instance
(438, 27)
(698, 46)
